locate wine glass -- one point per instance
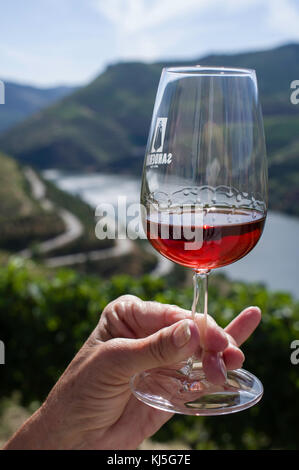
(204, 194)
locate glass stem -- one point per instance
(200, 304)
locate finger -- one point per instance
(214, 367)
(212, 337)
(233, 357)
(155, 316)
(244, 324)
(130, 317)
(164, 348)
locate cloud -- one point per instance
(75, 39)
(134, 16)
(17, 54)
(144, 28)
(152, 29)
(284, 17)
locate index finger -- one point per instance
(244, 324)
(130, 317)
(149, 317)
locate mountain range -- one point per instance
(104, 125)
(21, 101)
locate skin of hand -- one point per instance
(92, 407)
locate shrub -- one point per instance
(44, 319)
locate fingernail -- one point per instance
(182, 334)
(255, 306)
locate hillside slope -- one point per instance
(100, 126)
(104, 125)
(37, 219)
(22, 220)
(21, 101)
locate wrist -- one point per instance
(46, 429)
(30, 436)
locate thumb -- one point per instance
(163, 348)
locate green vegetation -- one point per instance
(45, 318)
(24, 224)
(100, 126)
(22, 220)
(22, 101)
(283, 150)
(104, 125)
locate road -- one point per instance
(73, 226)
(121, 248)
(73, 230)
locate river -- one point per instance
(274, 261)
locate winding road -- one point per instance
(73, 226)
(73, 230)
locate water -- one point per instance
(274, 261)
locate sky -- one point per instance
(53, 42)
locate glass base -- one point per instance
(179, 390)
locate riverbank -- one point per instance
(273, 261)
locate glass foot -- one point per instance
(187, 392)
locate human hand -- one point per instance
(92, 407)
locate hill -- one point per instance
(23, 221)
(21, 101)
(35, 216)
(39, 220)
(99, 126)
(104, 125)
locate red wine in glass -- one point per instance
(223, 237)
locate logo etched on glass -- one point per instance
(157, 155)
(159, 135)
